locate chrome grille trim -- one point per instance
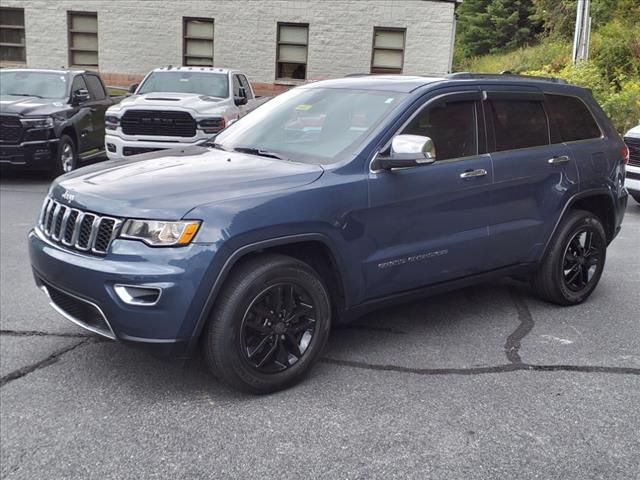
(55, 218)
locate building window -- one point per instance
(83, 39)
(12, 47)
(293, 39)
(197, 48)
(388, 50)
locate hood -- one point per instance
(162, 100)
(634, 132)
(166, 185)
(30, 106)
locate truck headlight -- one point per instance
(211, 125)
(111, 122)
(157, 233)
(41, 122)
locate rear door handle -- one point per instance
(480, 172)
(558, 160)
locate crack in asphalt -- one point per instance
(510, 367)
(51, 359)
(37, 333)
(514, 341)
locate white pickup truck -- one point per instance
(175, 107)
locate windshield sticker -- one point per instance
(389, 100)
(304, 107)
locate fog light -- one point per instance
(111, 147)
(138, 295)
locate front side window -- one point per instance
(184, 81)
(26, 83)
(198, 42)
(518, 124)
(451, 126)
(95, 88)
(572, 118)
(313, 125)
(293, 40)
(78, 84)
(244, 83)
(83, 39)
(12, 44)
(388, 50)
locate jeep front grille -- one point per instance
(158, 123)
(634, 150)
(77, 229)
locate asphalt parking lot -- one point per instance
(487, 382)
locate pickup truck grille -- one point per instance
(158, 123)
(634, 150)
(77, 229)
(10, 129)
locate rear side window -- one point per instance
(571, 118)
(518, 124)
(95, 87)
(451, 126)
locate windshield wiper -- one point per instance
(24, 95)
(260, 152)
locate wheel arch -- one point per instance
(597, 201)
(312, 248)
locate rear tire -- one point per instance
(573, 265)
(66, 156)
(269, 325)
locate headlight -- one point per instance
(211, 125)
(160, 234)
(43, 122)
(111, 122)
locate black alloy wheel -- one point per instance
(269, 325)
(573, 264)
(581, 259)
(278, 327)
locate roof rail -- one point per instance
(501, 76)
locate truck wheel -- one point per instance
(574, 263)
(269, 325)
(66, 158)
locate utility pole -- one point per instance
(582, 32)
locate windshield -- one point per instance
(314, 125)
(209, 84)
(33, 84)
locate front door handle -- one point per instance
(480, 172)
(558, 160)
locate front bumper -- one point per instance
(632, 179)
(81, 288)
(119, 148)
(35, 155)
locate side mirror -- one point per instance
(81, 96)
(407, 151)
(240, 100)
(133, 88)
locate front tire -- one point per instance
(572, 268)
(269, 326)
(66, 157)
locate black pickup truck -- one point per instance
(51, 119)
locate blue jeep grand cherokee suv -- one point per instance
(331, 199)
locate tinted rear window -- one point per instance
(518, 124)
(571, 118)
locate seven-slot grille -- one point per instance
(10, 129)
(634, 150)
(77, 229)
(158, 123)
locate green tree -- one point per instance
(486, 26)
